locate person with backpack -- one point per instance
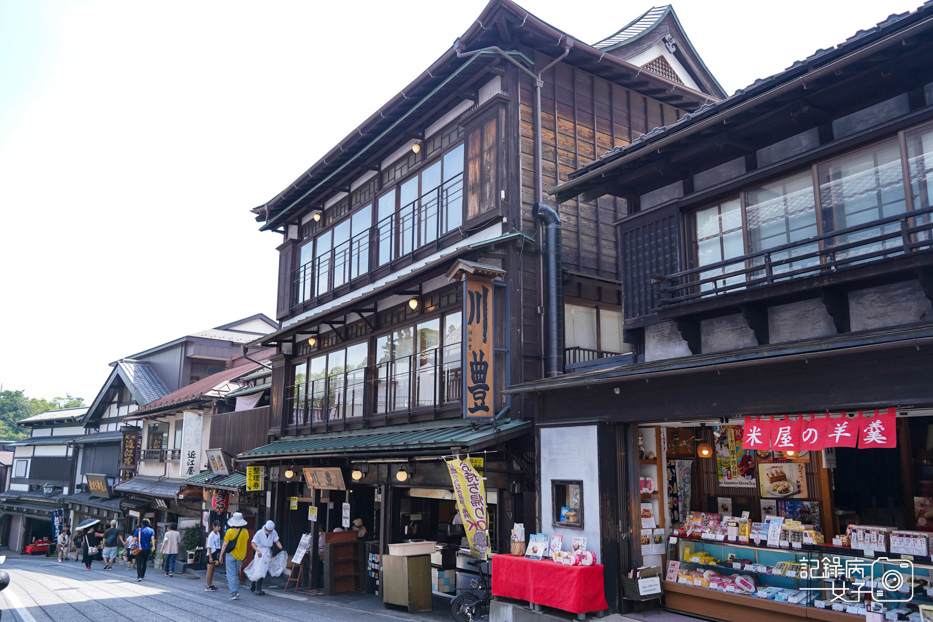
(144, 537)
(111, 543)
(239, 537)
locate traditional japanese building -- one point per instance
(422, 272)
(776, 261)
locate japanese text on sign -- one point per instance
(470, 493)
(255, 478)
(479, 351)
(128, 457)
(325, 478)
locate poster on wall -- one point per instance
(807, 512)
(736, 467)
(768, 508)
(785, 480)
(680, 442)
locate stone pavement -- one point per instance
(43, 590)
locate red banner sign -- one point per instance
(865, 431)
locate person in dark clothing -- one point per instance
(91, 539)
(144, 536)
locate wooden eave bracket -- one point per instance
(836, 302)
(690, 332)
(757, 318)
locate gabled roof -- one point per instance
(140, 378)
(634, 29)
(215, 385)
(822, 63)
(502, 24)
(63, 415)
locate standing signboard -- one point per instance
(129, 453)
(478, 353)
(191, 444)
(58, 521)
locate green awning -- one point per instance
(207, 479)
(436, 437)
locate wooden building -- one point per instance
(776, 260)
(430, 210)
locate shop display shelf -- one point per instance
(742, 571)
(647, 461)
(649, 495)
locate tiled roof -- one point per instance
(207, 479)
(820, 57)
(635, 28)
(215, 385)
(249, 390)
(51, 415)
(146, 382)
(151, 486)
(440, 436)
(45, 440)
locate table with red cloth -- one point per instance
(39, 546)
(577, 589)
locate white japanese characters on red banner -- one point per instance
(811, 433)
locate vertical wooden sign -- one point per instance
(129, 454)
(479, 355)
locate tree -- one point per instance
(15, 406)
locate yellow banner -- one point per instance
(255, 478)
(471, 501)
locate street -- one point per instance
(43, 590)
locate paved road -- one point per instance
(43, 590)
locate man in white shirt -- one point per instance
(213, 555)
(171, 546)
(262, 544)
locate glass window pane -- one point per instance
(426, 363)
(385, 228)
(579, 327)
(317, 381)
(359, 244)
(322, 263)
(297, 394)
(408, 198)
(920, 167)
(357, 358)
(336, 367)
(431, 203)
(341, 253)
(453, 190)
(779, 213)
(305, 277)
(451, 379)
(610, 333)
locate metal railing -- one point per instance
(902, 234)
(161, 455)
(413, 226)
(577, 354)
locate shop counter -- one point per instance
(577, 589)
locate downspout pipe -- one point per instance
(553, 290)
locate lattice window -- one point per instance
(661, 67)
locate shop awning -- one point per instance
(101, 437)
(114, 504)
(152, 487)
(437, 437)
(207, 479)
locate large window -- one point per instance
(419, 365)
(591, 333)
(780, 213)
(719, 237)
(920, 169)
(328, 387)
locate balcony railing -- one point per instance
(420, 381)
(161, 455)
(412, 227)
(904, 234)
(576, 355)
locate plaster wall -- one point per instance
(569, 453)
(806, 319)
(721, 334)
(889, 305)
(663, 341)
(51, 450)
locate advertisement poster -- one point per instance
(470, 493)
(312, 513)
(735, 467)
(783, 480)
(255, 478)
(807, 512)
(345, 515)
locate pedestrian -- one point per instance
(64, 541)
(234, 559)
(262, 545)
(144, 537)
(76, 544)
(171, 544)
(111, 544)
(90, 547)
(129, 544)
(213, 555)
(361, 532)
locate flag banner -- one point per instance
(470, 493)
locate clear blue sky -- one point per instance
(135, 136)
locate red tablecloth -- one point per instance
(577, 589)
(38, 547)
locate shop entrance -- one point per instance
(870, 492)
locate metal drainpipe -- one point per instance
(550, 219)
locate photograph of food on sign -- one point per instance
(785, 480)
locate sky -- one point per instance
(136, 136)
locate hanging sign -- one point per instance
(812, 433)
(312, 513)
(217, 461)
(191, 444)
(471, 503)
(97, 485)
(220, 501)
(477, 463)
(58, 521)
(757, 434)
(842, 432)
(479, 354)
(345, 515)
(129, 452)
(325, 478)
(877, 431)
(293, 503)
(255, 478)
(785, 435)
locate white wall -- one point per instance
(569, 453)
(41, 432)
(69, 431)
(51, 450)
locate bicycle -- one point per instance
(474, 604)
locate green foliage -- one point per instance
(191, 539)
(14, 406)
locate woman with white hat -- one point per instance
(262, 545)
